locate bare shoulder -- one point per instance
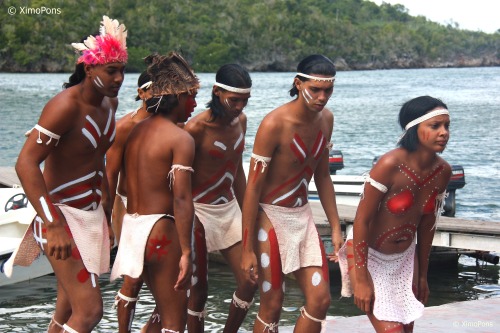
(125, 123)
(61, 111)
(389, 161)
(196, 124)
(181, 138)
(274, 120)
(327, 114)
(446, 169)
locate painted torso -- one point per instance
(403, 206)
(218, 153)
(293, 164)
(74, 170)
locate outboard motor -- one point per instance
(457, 181)
(335, 161)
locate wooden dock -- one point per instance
(451, 232)
(478, 316)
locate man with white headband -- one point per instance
(74, 131)
(279, 234)
(126, 298)
(402, 199)
(218, 188)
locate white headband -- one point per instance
(317, 78)
(426, 117)
(233, 89)
(146, 85)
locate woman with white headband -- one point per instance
(402, 201)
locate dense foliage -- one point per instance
(266, 35)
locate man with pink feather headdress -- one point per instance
(71, 226)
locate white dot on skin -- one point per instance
(262, 235)
(316, 279)
(264, 260)
(266, 286)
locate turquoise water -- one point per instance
(365, 105)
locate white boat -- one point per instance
(347, 189)
(16, 213)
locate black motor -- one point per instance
(335, 161)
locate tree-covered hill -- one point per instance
(265, 35)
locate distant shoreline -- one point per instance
(340, 64)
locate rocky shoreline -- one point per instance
(402, 62)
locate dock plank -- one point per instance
(476, 316)
(451, 232)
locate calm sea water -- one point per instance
(365, 105)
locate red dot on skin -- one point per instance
(83, 275)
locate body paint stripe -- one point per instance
(240, 139)
(108, 123)
(216, 153)
(306, 170)
(76, 181)
(220, 145)
(292, 191)
(90, 137)
(275, 260)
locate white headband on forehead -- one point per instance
(425, 117)
(233, 89)
(146, 85)
(317, 78)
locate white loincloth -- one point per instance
(134, 237)
(222, 224)
(123, 198)
(90, 232)
(298, 238)
(392, 276)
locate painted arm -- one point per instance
(114, 158)
(58, 119)
(107, 209)
(266, 140)
(183, 154)
(240, 184)
(327, 198)
(367, 210)
(425, 234)
(240, 181)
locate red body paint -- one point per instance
(157, 246)
(275, 260)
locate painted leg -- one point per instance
(199, 283)
(126, 301)
(161, 260)
(243, 296)
(315, 284)
(271, 286)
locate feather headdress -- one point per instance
(171, 75)
(110, 46)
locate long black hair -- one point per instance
(232, 75)
(77, 76)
